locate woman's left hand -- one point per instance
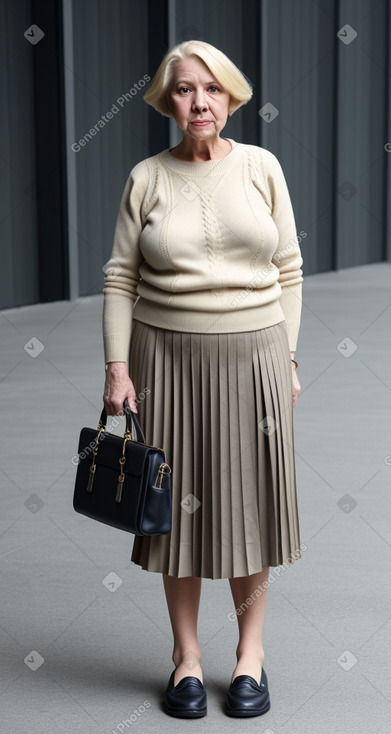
(296, 387)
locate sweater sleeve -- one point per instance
(122, 269)
(287, 256)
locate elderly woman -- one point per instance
(202, 307)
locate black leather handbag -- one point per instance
(123, 482)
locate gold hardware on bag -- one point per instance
(91, 477)
(94, 453)
(122, 459)
(121, 479)
(164, 470)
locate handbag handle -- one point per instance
(133, 424)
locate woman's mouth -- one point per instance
(201, 123)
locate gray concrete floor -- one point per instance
(80, 658)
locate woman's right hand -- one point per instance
(118, 386)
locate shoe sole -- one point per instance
(247, 712)
(183, 713)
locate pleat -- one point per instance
(225, 426)
(234, 485)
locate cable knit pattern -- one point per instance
(203, 247)
(213, 239)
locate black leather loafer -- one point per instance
(186, 700)
(247, 698)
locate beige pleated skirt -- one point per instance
(220, 405)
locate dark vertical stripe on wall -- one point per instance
(48, 77)
(387, 130)
(333, 138)
(158, 133)
(250, 44)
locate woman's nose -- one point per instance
(199, 102)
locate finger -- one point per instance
(133, 404)
(116, 408)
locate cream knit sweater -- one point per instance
(208, 247)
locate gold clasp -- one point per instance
(122, 460)
(94, 453)
(121, 480)
(164, 470)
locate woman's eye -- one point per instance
(187, 88)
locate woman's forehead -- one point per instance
(190, 68)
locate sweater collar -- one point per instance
(199, 169)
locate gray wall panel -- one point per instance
(297, 74)
(18, 192)
(360, 161)
(111, 55)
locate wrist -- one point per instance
(115, 366)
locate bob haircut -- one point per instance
(222, 68)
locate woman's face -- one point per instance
(196, 96)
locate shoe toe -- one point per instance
(187, 699)
(248, 698)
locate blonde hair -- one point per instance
(222, 68)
